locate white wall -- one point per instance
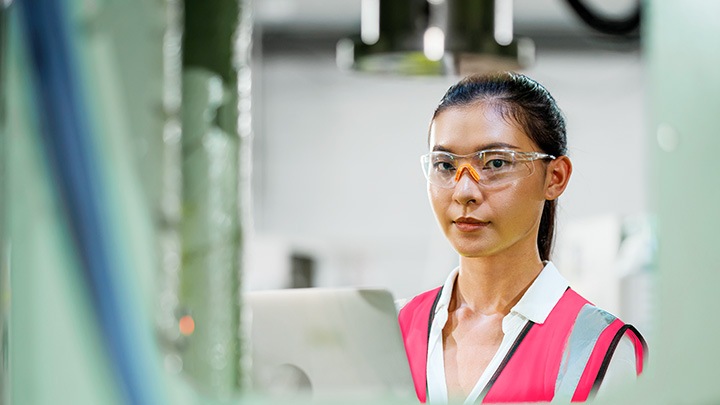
(337, 160)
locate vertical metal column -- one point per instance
(4, 243)
(215, 124)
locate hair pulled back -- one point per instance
(523, 101)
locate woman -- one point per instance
(505, 326)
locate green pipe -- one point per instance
(215, 56)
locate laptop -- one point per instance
(326, 343)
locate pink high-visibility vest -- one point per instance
(566, 357)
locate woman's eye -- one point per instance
(443, 166)
(496, 164)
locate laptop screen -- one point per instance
(326, 343)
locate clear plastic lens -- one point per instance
(494, 167)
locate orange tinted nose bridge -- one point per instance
(473, 173)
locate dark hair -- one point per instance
(526, 102)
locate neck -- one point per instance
(492, 285)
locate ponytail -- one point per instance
(546, 232)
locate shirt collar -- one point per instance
(537, 302)
(446, 292)
(543, 294)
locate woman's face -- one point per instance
(481, 222)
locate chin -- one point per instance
(472, 251)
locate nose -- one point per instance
(467, 190)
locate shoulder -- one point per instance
(582, 311)
(587, 315)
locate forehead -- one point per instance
(475, 127)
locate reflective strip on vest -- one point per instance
(589, 324)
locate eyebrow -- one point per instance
(494, 145)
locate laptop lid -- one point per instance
(327, 343)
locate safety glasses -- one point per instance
(490, 168)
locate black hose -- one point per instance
(620, 26)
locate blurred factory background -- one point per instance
(338, 194)
(159, 157)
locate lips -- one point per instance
(469, 224)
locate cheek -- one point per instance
(518, 204)
(526, 207)
(438, 199)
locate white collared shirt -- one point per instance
(535, 305)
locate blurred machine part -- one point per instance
(215, 164)
(433, 37)
(627, 24)
(436, 37)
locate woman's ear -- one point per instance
(557, 177)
